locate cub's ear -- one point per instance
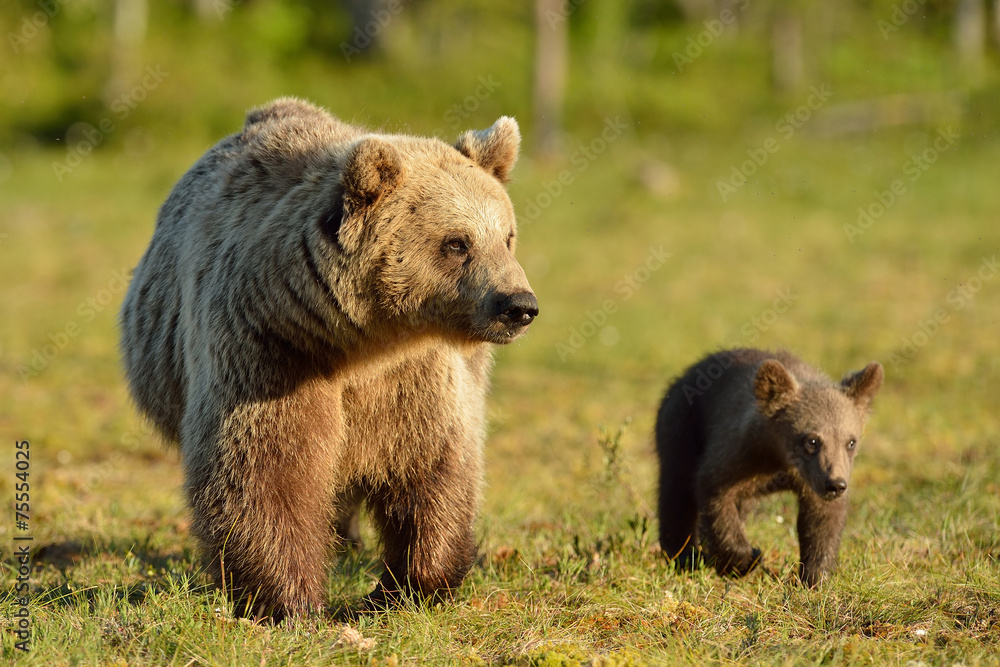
(861, 386)
(774, 387)
(374, 168)
(494, 149)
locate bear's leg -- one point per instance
(269, 560)
(678, 512)
(426, 522)
(679, 444)
(724, 535)
(820, 525)
(260, 495)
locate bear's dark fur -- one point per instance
(744, 423)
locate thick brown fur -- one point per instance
(313, 324)
(744, 423)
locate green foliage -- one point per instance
(66, 65)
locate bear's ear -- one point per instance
(862, 385)
(494, 149)
(374, 168)
(774, 387)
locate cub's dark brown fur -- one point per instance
(313, 324)
(745, 423)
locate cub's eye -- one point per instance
(852, 443)
(510, 242)
(455, 246)
(811, 444)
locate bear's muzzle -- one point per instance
(517, 310)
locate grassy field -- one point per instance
(568, 572)
(642, 263)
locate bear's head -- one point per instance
(432, 230)
(820, 423)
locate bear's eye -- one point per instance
(811, 444)
(455, 246)
(510, 241)
(852, 443)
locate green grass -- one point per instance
(569, 572)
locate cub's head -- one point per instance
(820, 422)
(433, 231)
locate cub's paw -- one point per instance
(688, 560)
(739, 566)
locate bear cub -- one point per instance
(744, 423)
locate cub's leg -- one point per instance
(722, 531)
(426, 521)
(678, 447)
(678, 511)
(820, 526)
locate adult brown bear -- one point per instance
(313, 324)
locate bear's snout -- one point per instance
(835, 488)
(517, 310)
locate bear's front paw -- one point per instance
(382, 599)
(756, 556)
(811, 576)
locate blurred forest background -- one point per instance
(669, 67)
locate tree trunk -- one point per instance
(786, 51)
(970, 31)
(551, 18)
(129, 32)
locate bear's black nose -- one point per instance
(836, 487)
(518, 309)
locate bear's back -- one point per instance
(280, 146)
(243, 175)
(283, 142)
(714, 398)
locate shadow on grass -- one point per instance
(113, 571)
(120, 571)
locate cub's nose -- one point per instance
(517, 310)
(836, 487)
